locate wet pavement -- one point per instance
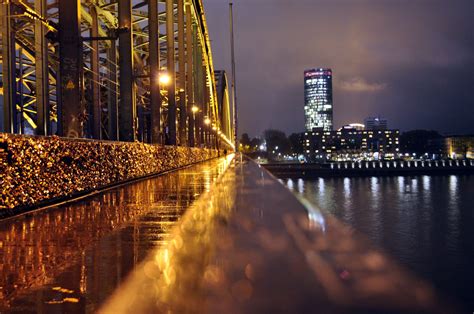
(246, 246)
(71, 258)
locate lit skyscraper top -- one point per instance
(318, 99)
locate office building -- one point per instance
(460, 146)
(356, 126)
(375, 123)
(318, 107)
(351, 144)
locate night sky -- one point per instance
(410, 61)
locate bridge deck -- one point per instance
(70, 258)
(221, 237)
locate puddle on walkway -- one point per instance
(71, 258)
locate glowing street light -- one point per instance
(164, 78)
(207, 121)
(194, 109)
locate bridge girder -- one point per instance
(31, 46)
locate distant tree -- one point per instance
(245, 139)
(244, 144)
(277, 141)
(255, 143)
(418, 141)
(296, 142)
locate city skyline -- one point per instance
(410, 62)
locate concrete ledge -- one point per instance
(35, 171)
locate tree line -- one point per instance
(273, 144)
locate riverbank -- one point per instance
(371, 168)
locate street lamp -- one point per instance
(207, 121)
(164, 78)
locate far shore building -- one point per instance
(351, 143)
(459, 146)
(356, 126)
(375, 123)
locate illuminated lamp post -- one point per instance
(194, 110)
(207, 123)
(164, 79)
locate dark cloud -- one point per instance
(411, 61)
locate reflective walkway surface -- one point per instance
(71, 258)
(246, 245)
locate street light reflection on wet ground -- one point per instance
(70, 258)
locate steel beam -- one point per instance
(70, 69)
(112, 93)
(154, 61)
(96, 105)
(21, 104)
(182, 75)
(127, 107)
(190, 71)
(171, 136)
(41, 71)
(205, 104)
(198, 88)
(8, 70)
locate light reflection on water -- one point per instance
(300, 186)
(347, 188)
(290, 184)
(454, 214)
(425, 222)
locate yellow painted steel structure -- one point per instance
(91, 68)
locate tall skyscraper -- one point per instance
(318, 99)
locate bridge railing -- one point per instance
(401, 164)
(37, 171)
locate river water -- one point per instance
(424, 222)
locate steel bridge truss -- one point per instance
(111, 70)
